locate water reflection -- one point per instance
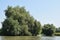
(1, 38)
(21, 38)
(48, 38)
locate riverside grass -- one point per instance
(57, 34)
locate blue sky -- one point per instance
(45, 11)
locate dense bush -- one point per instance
(48, 29)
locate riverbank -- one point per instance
(57, 34)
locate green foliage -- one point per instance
(0, 32)
(48, 29)
(57, 33)
(19, 22)
(36, 29)
(11, 27)
(58, 30)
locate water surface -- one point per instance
(50, 38)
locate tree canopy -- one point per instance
(48, 29)
(19, 22)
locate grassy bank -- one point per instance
(57, 34)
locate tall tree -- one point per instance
(19, 22)
(48, 29)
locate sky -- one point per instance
(45, 11)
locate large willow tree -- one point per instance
(18, 22)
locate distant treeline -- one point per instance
(19, 22)
(57, 33)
